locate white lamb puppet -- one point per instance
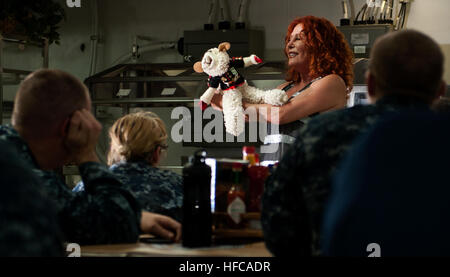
(224, 77)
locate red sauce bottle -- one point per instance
(236, 199)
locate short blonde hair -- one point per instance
(135, 137)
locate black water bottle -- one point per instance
(197, 218)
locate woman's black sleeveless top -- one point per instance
(282, 138)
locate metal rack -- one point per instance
(9, 76)
(147, 82)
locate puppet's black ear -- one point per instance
(224, 46)
(198, 67)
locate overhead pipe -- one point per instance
(212, 15)
(352, 11)
(224, 22)
(407, 10)
(345, 20)
(391, 10)
(243, 6)
(382, 10)
(362, 13)
(402, 15)
(144, 49)
(94, 39)
(376, 11)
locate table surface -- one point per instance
(174, 250)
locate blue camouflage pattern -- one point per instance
(157, 190)
(104, 213)
(28, 224)
(295, 194)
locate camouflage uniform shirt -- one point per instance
(295, 194)
(157, 190)
(104, 213)
(28, 224)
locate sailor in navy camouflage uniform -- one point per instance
(295, 194)
(51, 126)
(28, 224)
(106, 213)
(157, 190)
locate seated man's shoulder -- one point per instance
(12, 140)
(7, 132)
(6, 128)
(341, 117)
(336, 122)
(30, 214)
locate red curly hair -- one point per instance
(328, 50)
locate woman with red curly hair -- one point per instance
(315, 48)
(319, 77)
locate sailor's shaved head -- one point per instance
(407, 62)
(45, 99)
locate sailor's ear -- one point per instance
(224, 46)
(198, 67)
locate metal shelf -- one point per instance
(9, 76)
(146, 82)
(179, 100)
